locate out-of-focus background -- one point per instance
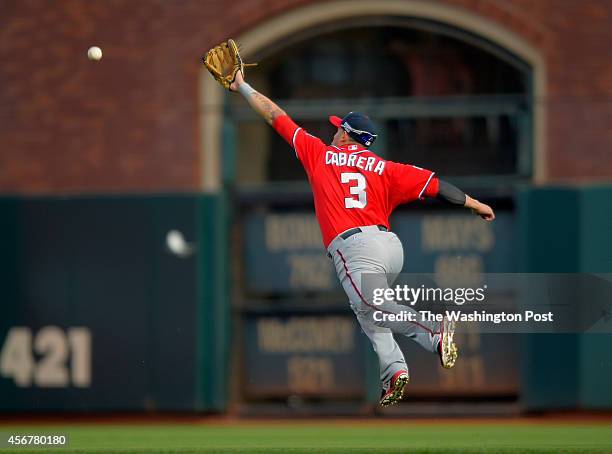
(158, 242)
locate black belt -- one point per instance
(350, 232)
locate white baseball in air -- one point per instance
(94, 53)
(177, 245)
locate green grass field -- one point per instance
(294, 437)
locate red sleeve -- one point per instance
(432, 188)
(410, 183)
(307, 147)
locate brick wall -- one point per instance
(129, 123)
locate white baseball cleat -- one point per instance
(394, 393)
(447, 349)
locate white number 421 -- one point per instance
(358, 189)
(55, 347)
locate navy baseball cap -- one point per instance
(358, 126)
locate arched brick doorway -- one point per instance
(309, 19)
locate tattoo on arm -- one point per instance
(260, 103)
(268, 109)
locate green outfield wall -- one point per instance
(567, 230)
(99, 313)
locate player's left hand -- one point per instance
(238, 79)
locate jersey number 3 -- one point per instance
(357, 190)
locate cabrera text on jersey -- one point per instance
(351, 185)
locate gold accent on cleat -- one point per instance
(448, 349)
(398, 391)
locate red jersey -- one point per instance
(352, 186)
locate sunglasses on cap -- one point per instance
(364, 137)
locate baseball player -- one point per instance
(355, 191)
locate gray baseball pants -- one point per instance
(378, 257)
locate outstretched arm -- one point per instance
(260, 104)
(451, 194)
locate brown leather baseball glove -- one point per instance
(224, 61)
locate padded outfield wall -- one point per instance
(567, 230)
(98, 313)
